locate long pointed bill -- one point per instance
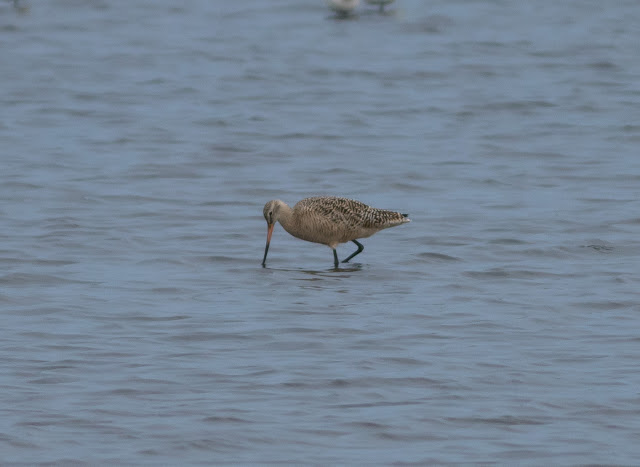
(266, 248)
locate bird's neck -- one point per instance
(285, 217)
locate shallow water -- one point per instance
(140, 143)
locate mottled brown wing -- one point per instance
(351, 212)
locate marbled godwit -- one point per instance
(343, 7)
(329, 220)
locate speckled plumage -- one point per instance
(330, 220)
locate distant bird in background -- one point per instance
(19, 7)
(380, 3)
(343, 7)
(329, 220)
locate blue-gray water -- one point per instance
(139, 142)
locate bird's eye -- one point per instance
(270, 213)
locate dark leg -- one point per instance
(359, 250)
(335, 258)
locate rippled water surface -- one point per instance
(139, 142)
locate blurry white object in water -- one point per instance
(343, 7)
(381, 3)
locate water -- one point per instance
(140, 142)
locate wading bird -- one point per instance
(329, 220)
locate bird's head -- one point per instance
(271, 213)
